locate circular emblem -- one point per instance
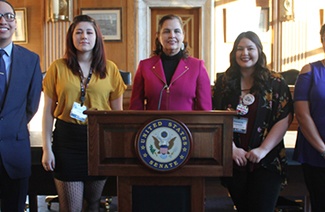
(248, 99)
(164, 144)
(242, 109)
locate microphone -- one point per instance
(160, 96)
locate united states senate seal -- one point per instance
(164, 144)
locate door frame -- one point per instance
(143, 28)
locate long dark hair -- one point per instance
(98, 63)
(158, 46)
(261, 74)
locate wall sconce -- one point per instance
(60, 10)
(286, 10)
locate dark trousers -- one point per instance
(13, 192)
(255, 191)
(315, 182)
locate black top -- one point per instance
(170, 64)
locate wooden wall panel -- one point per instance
(121, 52)
(117, 51)
(35, 23)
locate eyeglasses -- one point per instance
(8, 16)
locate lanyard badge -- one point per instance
(83, 86)
(78, 108)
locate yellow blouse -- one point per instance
(63, 87)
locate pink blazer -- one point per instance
(189, 88)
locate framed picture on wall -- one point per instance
(21, 35)
(109, 21)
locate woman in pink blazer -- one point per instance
(170, 79)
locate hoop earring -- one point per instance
(182, 46)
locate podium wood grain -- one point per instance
(111, 149)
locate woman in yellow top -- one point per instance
(83, 79)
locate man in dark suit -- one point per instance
(21, 94)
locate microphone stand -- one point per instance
(160, 96)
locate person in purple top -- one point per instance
(309, 103)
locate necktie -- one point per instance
(3, 78)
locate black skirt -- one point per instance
(71, 152)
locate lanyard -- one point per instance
(83, 86)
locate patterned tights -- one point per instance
(73, 194)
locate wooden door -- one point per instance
(191, 21)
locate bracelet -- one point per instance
(322, 154)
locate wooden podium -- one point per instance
(112, 151)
